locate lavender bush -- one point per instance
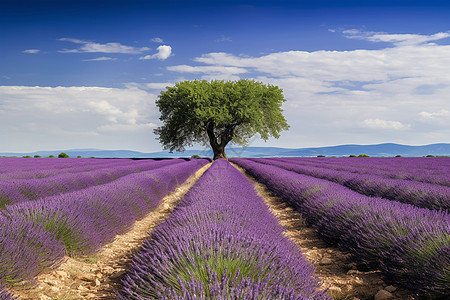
(409, 244)
(36, 234)
(26, 250)
(417, 193)
(220, 242)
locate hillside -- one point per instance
(386, 149)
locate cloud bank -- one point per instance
(76, 117)
(396, 39)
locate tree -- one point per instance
(218, 112)
(63, 155)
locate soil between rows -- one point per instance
(98, 276)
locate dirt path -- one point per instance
(97, 276)
(333, 267)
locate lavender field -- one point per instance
(221, 241)
(401, 227)
(76, 212)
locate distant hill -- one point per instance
(387, 149)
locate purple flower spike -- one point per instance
(220, 242)
(26, 250)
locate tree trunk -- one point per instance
(219, 152)
(218, 148)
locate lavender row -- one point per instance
(36, 235)
(5, 295)
(420, 194)
(220, 242)
(410, 245)
(20, 190)
(435, 171)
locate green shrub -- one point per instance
(37, 156)
(363, 155)
(26, 156)
(79, 156)
(398, 155)
(352, 155)
(63, 155)
(51, 156)
(195, 156)
(429, 155)
(320, 155)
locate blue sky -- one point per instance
(85, 74)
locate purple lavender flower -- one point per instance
(26, 250)
(35, 235)
(409, 244)
(21, 190)
(5, 295)
(220, 242)
(421, 194)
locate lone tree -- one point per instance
(219, 112)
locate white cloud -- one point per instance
(397, 39)
(149, 86)
(157, 40)
(31, 51)
(126, 127)
(357, 65)
(207, 69)
(383, 124)
(37, 118)
(103, 58)
(93, 47)
(440, 114)
(440, 118)
(210, 72)
(164, 51)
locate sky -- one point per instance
(86, 74)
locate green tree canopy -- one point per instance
(63, 155)
(218, 112)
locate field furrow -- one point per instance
(221, 241)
